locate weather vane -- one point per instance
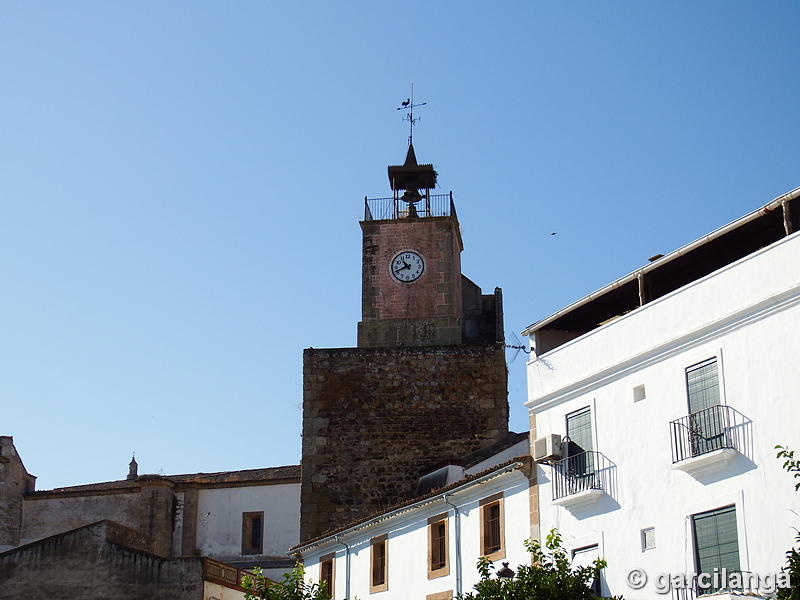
(410, 106)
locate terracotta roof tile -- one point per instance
(291, 472)
(524, 462)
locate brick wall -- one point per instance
(425, 312)
(375, 420)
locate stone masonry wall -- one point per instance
(95, 563)
(14, 482)
(375, 420)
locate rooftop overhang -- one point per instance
(416, 177)
(668, 273)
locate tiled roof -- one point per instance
(249, 476)
(520, 462)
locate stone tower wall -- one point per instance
(375, 420)
(14, 482)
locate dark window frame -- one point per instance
(493, 544)
(253, 532)
(438, 546)
(327, 573)
(379, 564)
(716, 526)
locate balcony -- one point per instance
(430, 205)
(223, 574)
(719, 585)
(581, 480)
(706, 441)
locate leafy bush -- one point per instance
(548, 577)
(292, 586)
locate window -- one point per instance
(716, 543)
(579, 449)
(379, 580)
(326, 573)
(438, 564)
(253, 533)
(648, 538)
(585, 557)
(639, 393)
(492, 529)
(706, 424)
(702, 385)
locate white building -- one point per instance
(243, 519)
(428, 548)
(670, 389)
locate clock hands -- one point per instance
(406, 267)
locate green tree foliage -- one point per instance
(549, 577)
(292, 586)
(792, 465)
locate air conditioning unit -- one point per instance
(547, 448)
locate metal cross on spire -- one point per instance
(410, 106)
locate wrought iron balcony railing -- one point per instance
(739, 582)
(581, 472)
(703, 432)
(432, 205)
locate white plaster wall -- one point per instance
(219, 527)
(215, 591)
(746, 315)
(408, 544)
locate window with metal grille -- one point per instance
(437, 546)
(493, 528)
(492, 534)
(326, 573)
(716, 542)
(253, 532)
(379, 571)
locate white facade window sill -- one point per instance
(706, 464)
(581, 499)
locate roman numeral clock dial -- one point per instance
(407, 266)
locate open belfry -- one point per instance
(427, 383)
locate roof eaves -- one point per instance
(455, 487)
(795, 193)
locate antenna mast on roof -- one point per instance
(409, 106)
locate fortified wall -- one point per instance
(376, 419)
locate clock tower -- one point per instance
(427, 383)
(413, 293)
(411, 263)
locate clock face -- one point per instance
(407, 266)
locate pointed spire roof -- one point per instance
(411, 176)
(411, 157)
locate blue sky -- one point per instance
(181, 185)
